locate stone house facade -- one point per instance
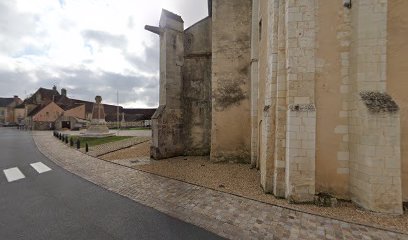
(7, 110)
(312, 93)
(19, 115)
(72, 118)
(43, 118)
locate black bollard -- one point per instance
(78, 144)
(86, 147)
(71, 142)
(66, 139)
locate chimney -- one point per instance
(63, 92)
(54, 88)
(15, 97)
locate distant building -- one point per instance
(7, 110)
(137, 114)
(48, 109)
(44, 117)
(143, 116)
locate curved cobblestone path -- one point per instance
(227, 215)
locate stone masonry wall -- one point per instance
(231, 109)
(279, 188)
(375, 154)
(301, 115)
(333, 88)
(167, 122)
(197, 89)
(376, 163)
(397, 74)
(269, 15)
(254, 85)
(300, 153)
(265, 108)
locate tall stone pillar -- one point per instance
(375, 152)
(167, 120)
(270, 19)
(279, 178)
(301, 115)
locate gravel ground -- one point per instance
(239, 179)
(141, 150)
(104, 149)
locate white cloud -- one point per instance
(79, 44)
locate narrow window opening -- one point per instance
(260, 30)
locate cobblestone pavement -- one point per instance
(224, 214)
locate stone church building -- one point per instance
(313, 93)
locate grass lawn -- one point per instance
(98, 141)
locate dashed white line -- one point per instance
(40, 167)
(13, 174)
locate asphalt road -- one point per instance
(56, 204)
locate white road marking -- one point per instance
(40, 167)
(13, 174)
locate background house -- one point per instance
(44, 117)
(7, 107)
(19, 114)
(137, 117)
(49, 109)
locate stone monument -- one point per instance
(98, 126)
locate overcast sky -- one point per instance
(89, 47)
